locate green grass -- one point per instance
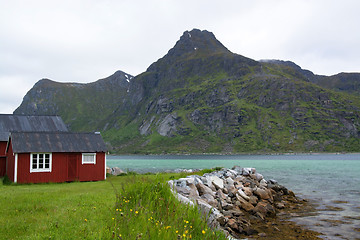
(124, 207)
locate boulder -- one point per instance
(220, 194)
(244, 204)
(116, 171)
(247, 191)
(233, 225)
(203, 189)
(209, 199)
(261, 193)
(265, 208)
(212, 213)
(243, 195)
(218, 182)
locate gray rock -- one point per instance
(243, 195)
(229, 180)
(244, 204)
(272, 181)
(259, 177)
(167, 127)
(116, 171)
(209, 199)
(203, 189)
(261, 193)
(207, 210)
(218, 183)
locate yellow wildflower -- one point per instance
(203, 231)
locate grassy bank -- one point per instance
(124, 207)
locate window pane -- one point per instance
(41, 161)
(47, 161)
(34, 161)
(89, 158)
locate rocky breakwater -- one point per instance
(242, 203)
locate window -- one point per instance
(89, 158)
(40, 162)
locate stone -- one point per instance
(203, 189)
(229, 181)
(193, 191)
(208, 182)
(183, 199)
(263, 183)
(262, 234)
(222, 220)
(226, 206)
(264, 208)
(209, 199)
(235, 212)
(248, 171)
(233, 225)
(253, 200)
(247, 191)
(116, 171)
(244, 204)
(212, 213)
(261, 193)
(220, 194)
(272, 181)
(218, 182)
(279, 205)
(237, 169)
(243, 195)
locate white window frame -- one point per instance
(38, 169)
(88, 155)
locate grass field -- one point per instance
(123, 207)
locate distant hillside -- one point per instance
(200, 97)
(83, 107)
(345, 82)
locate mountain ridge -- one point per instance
(202, 98)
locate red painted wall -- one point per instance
(3, 149)
(60, 169)
(2, 158)
(92, 172)
(10, 163)
(2, 166)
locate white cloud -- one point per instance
(85, 40)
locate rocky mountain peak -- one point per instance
(197, 40)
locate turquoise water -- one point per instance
(332, 181)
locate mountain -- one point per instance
(345, 82)
(84, 107)
(200, 97)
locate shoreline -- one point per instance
(233, 154)
(240, 202)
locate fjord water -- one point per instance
(331, 181)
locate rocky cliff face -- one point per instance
(200, 97)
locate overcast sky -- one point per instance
(85, 40)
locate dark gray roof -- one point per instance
(4, 136)
(26, 142)
(22, 123)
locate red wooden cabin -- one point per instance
(37, 157)
(21, 123)
(36, 149)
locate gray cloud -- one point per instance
(84, 40)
